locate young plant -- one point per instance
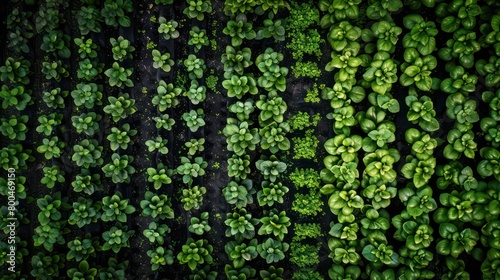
(272, 108)
(160, 257)
(56, 41)
(167, 29)
(48, 235)
(271, 193)
(197, 10)
(121, 107)
(88, 19)
(85, 212)
(120, 138)
(119, 169)
(16, 97)
(192, 197)
(238, 86)
(155, 233)
(119, 76)
(195, 252)
(121, 48)
(157, 206)
(454, 241)
(162, 61)
(55, 98)
(86, 123)
(239, 253)
(238, 166)
(159, 176)
(195, 145)
(14, 127)
(194, 119)
(87, 182)
(190, 170)
(239, 194)
(82, 249)
(164, 121)
(159, 144)
(196, 92)
(113, 12)
(15, 71)
(117, 237)
(422, 112)
(166, 96)
(51, 148)
(422, 34)
(87, 153)
(239, 29)
(115, 208)
(273, 137)
(199, 225)
(87, 95)
(272, 250)
(241, 225)
(272, 29)
(89, 69)
(417, 70)
(271, 168)
(49, 208)
(235, 60)
(240, 137)
(54, 70)
(275, 223)
(195, 66)
(198, 38)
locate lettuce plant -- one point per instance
(274, 29)
(191, 169)
(239, 29)
(235, 60)
(155, 233)
(238, 166)
(239, 253)
(17, 97)
(159, 176)
(166, 96)
(48, 235)
(117, 237)
(119, 76)
(386, 33)
(192, 197)
(461, 109)
(337, 11)
(197, 9)
(87, 153)
(198, 38)
(164, 121)
(194, 119)
(272, 108)
(273, 137)
(272, 250)
(81, 249)
(162, 61)
(241, 225)
(119, 169)
(417, 69)
(14, 156)
(168, 29)
(157, 206)
(239, 136)
(55, 98)
(239, 194)
(120, 138)
(196, 93)
(87, 95)
(56, 41)
(271, 168)
(89, 69)
(344, 146)
(344, 36)
(381, 253)
(196, 252)
(422, 34)
(380, 137)
(380, 194)
(121, 48)
(455, 241)
(343, 203)
(238, 86)
(344, 118)
(121, 107)
(54, 70)
(88, 19)
(421, 142)
(14, 127)
(115, 208)
(51, 148)
(160, 257)
(86, 123)
(457, 206)
(459, 81)
(49, 208)
(379, 164)
(87, 182)
(195, 66)
(344, 231)
(274, 76)
(113, 12)
(275, 223)
(159, 144)
(343, 252)
(422, 112)
(489, 69)
(85, 212)
(462, 46)
(199, 225)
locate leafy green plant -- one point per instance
(54, 70)
(119, 169)
(88, 19)
(274, 76)
(195, 145)
(195, 253)
(343, 36)
(272, 250)
(85, 212)
(240, 252)
(273, 137)
(113, 12)
(48, 235)
(275, 223)
(271, 168)
(380, 194)
(87, 182)
(454, 241)
(239, 29)
(461, 47)
(460, 143)
(238, 166)
(167, 96)
(417, 70)
(164, 121)
(235, 60)
(56, 41)
(83, 271)
(157, 206)
(419, 201)
(305, 147)
(386, 32)
(240, 137)
(459, 108)
(422, 112)
(87, 153)
(55, 98)
(195, 66)
(17, 97)
(457, 206)
(241, 225)
(81, 248)
(155, 233)
(86, 123)
(14, 156)
(196, 93)
(272, 107)
(272, 29)
(167, 29)
(159, 176)
(489, 69)
(121, 48)
(121, 107)
(120, 138)
(382, 73)
(191, 169)
(160, 257)
(198, 38)
(420, 168)
(87, 95)
(458, 13)
(422, 34)
(381, 253)
(192, 197)
(459, 81)
(162, 61)
(194, 119)
(239, 194)
(309, 204)
(117, 237)
(159, 144)
(238, 86)
(49, 207)
(199, 225)
(14, 127)
(89, 69)
(46, 266)
(114, 270)
(116, 208)
(119, 76)
(197, 10)
(51, 148)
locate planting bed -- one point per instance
(263, 139)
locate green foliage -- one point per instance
(121, 48)
(382, 73)
(455, 241)
(238, 86)
(417, 202)
(81, 248)
(16, 97)
(461, 109)
(309, 204)
(54, 70)
(344, 36)
(302, 120)
(87, 153)
(167, 29)
(198, 38)
(417, 70)
(162, 61)
(240, 252)
(337, 11)
(87, 182)
(51, 148)
(120, 138)
(159, 144)
(275, 223)
(83, 271)
(242, 109)
(119, 169)
(305, 147)
(115, 208)
(461, 47)
(87, 95)
(85, 212)
(121, 107)
(306, 69)
(17, 188)
(117, 237)
(196, 93)
(380, 194)
(197, 10)
(199, 225)
(114, 270)
(56, 41)
(192, 197)
(46, 266)
(190, 170)
(273, 137)
(166, 96)
(239, 29)
(305, 177)
(489, 69)
(422, 34)
(460, 143)
(159, 176)
(86, 123)
(14, 127)
(458, 13)
(164, 121)
(304, 255)
(422, 112)
(353, 272)
(49, 207)
(195, 253)
(48, 235)
(272, 250)
(240, 137)
(13, 156)
(273, 76)
(157, 206)
(119, 76)
(386, 33)
(195, 145)
(89, 69)
(241, 225)
(55, 98)
(155, 233)
(235, 60)
(195, 66)
(306, 230)
(238, 166)
(270, 168)
(459, 81)
(379, 9)
(194, 119)
(272, 29)
(272, 108)
(239, 194)
(419, 168)
(113, 12)
(381, 253)
(160, 257)
(88, 18)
